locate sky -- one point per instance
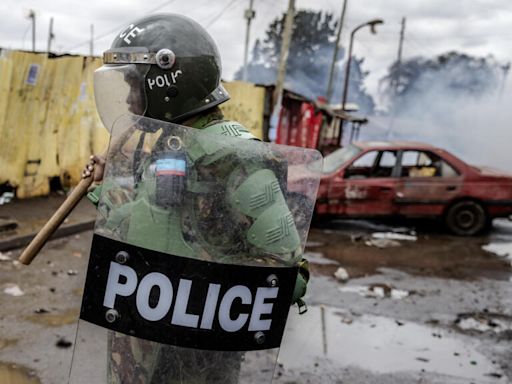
(478, 27)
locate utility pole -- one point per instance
(32, 15)
(335, 54)
(51, 36)
(399, 59)
(91, 45)
(396, 80)
(249, 15)
(285, 47)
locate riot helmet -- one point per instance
(165, 66)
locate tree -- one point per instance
(309, 59)
(421, 86)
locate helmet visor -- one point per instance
(119, 89)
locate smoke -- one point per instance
(309, 61)
(462, 107)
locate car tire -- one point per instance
(466, 218)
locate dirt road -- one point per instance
(404, 307)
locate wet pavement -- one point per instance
(407, 305)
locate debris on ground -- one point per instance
(341, 274)
(380, 291)
(63, 343)
(382, 243)
(5, 256)
(13, 290)
(484, 322)
(394, 236)
(41, 310)
(72, 272)
(6, 197)
(500, 249)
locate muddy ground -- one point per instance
(386, 305)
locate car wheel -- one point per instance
(466, 218)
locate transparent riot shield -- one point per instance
(195, 255)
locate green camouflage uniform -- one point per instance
(133, 360)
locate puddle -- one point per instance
(318, 258)
(14, 374)
(376, 290)
(55, 319)
(324, 338)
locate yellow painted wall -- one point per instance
(48, 121)
(247, 105)
(49, 125)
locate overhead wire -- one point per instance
(117, 28)
(217, 16)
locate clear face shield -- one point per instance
(119, 83)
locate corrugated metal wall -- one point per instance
(49, 125)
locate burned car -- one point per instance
(376, 179)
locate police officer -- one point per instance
(166, 67)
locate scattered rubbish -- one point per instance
(6, 197)
(41, 310)
(399, 323)
(422, 359)
(500, 249)
(5, 257)
(318, 258)
(484, 322)
(382, 243)
(398, 294)
(356, 238)
(380, 291)
(77, 236)
(394, 236)
(13, 290)
(77, 254)
(63, 343)
(495, 375)
(341, 274)
(55, 318)
(72, 272)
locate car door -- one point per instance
(367, 186)
(427, 183)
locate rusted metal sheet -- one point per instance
(246, 105)
(49, 125)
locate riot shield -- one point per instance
(195, 255)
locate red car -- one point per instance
(371, 179)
